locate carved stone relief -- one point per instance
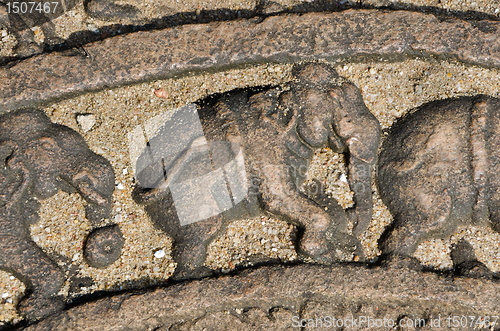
(40, 158)
(252, 150)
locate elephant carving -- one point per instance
(38, 158)
(277, 129)
(248, 151)
(438, 172)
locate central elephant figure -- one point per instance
(278, 130)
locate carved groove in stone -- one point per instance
(221, 45)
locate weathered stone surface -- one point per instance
(159, 54)
(269, 298)
(109, 10)
(145, 56)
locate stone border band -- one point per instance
(145, 56)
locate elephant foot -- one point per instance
(37, 307)
(347, 247)
(315, 246)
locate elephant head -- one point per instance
(57, 157)
(332, 113)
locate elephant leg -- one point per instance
(280, 196)
(40, 274)
(20, 254)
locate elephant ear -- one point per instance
(92, 176)
(91, 185)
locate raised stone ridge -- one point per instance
(144, 56)
(281, 292)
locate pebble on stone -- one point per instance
(86, 122)
(161, 93)
(159, 254)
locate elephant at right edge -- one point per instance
(438, 172)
